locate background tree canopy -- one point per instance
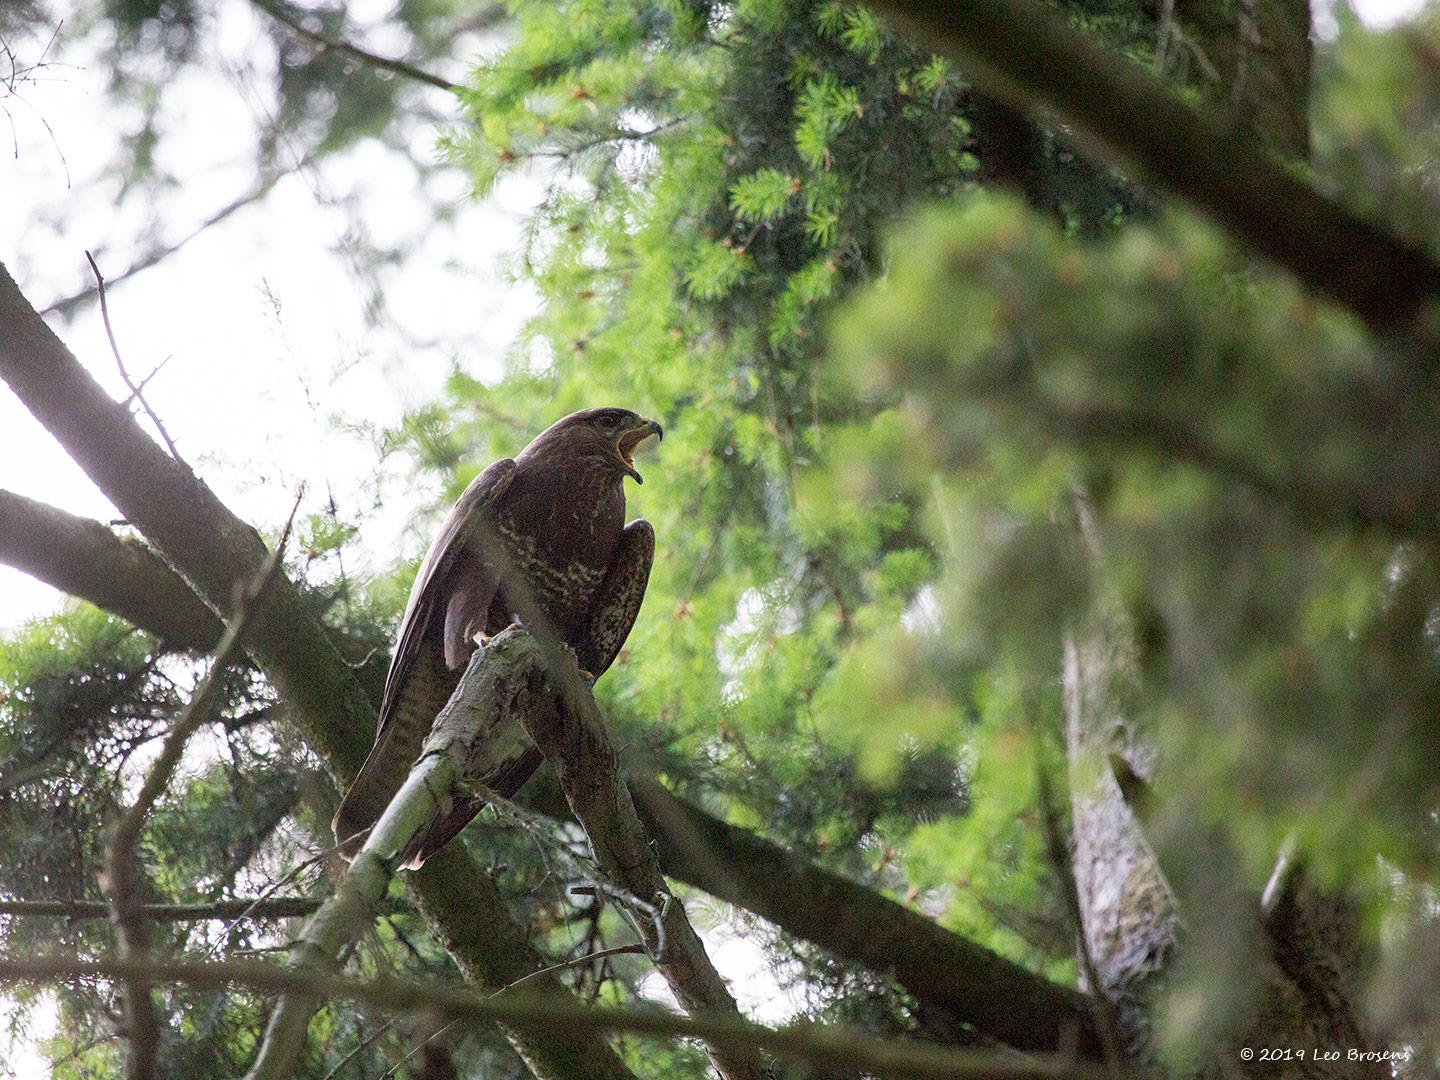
(1041, 641)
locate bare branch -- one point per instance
(1029, 54)
(398, 67)
(135, 394)
(66, 305)
(845, 1050)
(635, 948)
(122, 879)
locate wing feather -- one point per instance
(618, 598)
(420, 680)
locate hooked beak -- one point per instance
(629, 440)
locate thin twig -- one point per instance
(120, 363)
(395, 1069)
(282, 907)
(360, 1048)
(618, 950)
(629, 900)
(122, 880)
(398, 67)
(266, 894)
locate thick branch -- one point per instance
(942, 969)
(571, 735)
(842, 1051)
(84, 558)
(212, 548)
(1027, 53)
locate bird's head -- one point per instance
(607, 435)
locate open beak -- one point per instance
(629, 440)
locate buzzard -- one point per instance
(547, 528)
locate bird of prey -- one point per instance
(545, 528)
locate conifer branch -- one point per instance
(1027, 53)
(122, 879)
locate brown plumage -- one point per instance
(551, 523)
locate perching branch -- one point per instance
(572, 737)
(1027, 53)
(398, 67)
(454, 758)
(842, 1051)
(122, 880)
(508, 687)
(211, 547)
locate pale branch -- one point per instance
(446, 768)
(202, 539)
(278, 907)
(566, 727)
(85, 558)
(842, 1050)
(941, 969)
(324, 41)
(1027, 53)
(122, 880)
(135, 391)
(456, 757)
